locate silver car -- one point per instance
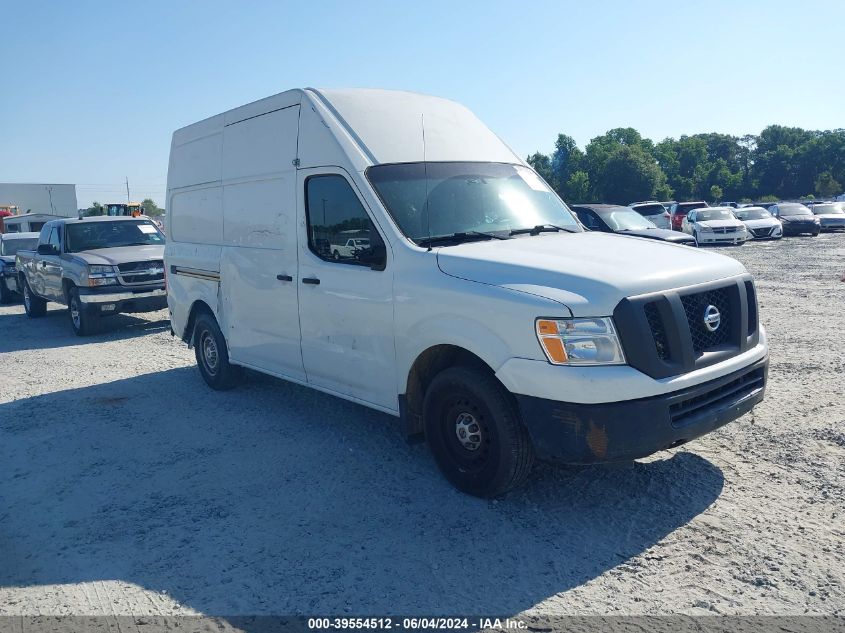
(831, 215)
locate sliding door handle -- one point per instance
(284, 277)
(311, 280)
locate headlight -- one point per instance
(101, 275)
(705, 229)
(580, 341)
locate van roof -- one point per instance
(387, 126)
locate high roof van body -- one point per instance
(388, 248)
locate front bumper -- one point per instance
(832, 225)
(618, 431)
(722, 238)
(801, 228)
(112, 300)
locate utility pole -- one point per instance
(50, 193)
(127, 190)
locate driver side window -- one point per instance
(339, 229)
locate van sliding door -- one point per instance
(259, 256)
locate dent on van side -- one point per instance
(388, 248)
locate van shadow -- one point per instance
(275, 499)
(18, 332)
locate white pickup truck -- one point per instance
(481, 312)
(96, 266)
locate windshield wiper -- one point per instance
(461, 236)
(542, 228)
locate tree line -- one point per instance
(621, 166)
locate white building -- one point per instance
(47, 198)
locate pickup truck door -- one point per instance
(51, 268)
(345, 305)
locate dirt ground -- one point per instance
(128, 487)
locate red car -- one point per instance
(679, 211)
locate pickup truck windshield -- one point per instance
(89, 236)
(439, 199)
(11, 247)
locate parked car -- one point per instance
(733, 205)
(482, 313)
(10, 244)
(350, 247)
(679, 211)
(796, 218)
(610, 218)
(714, 225)
(654, 212)
(761, 224)
(831, 215)
(96, 266)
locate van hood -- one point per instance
(587, 272)
(121, 255)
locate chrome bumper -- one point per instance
(114, 297)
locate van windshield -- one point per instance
(438, 199)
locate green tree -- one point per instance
(542, 164)
(716, 193)
(827, 186)
(151, 208)
(577, 188)
(629, 173)
(95, 209)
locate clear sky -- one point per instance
(91, 91)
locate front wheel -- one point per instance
(5, 293)
(213, 355)
(83, 322)
(475, 432)
(33, 305)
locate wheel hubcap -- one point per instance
(74, 312)
(468, 431)
(209, 352)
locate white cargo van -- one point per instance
(470, 302)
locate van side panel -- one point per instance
(260, 315)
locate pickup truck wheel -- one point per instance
(83, 322)
(474, 429)
(336, 256)
(33, 305)
(213, 356)
(5, 293)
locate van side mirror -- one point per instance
(375, 257)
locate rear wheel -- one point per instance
(213, 355)
(33, 305)
(83, 322)
(336, 256)
(475, 432)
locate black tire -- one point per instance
(816, 234)
(5, 293)
(84, 322)
(336, 256)
(33, 305)
(213, 355)
(475, 432)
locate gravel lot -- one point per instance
(128, 487)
